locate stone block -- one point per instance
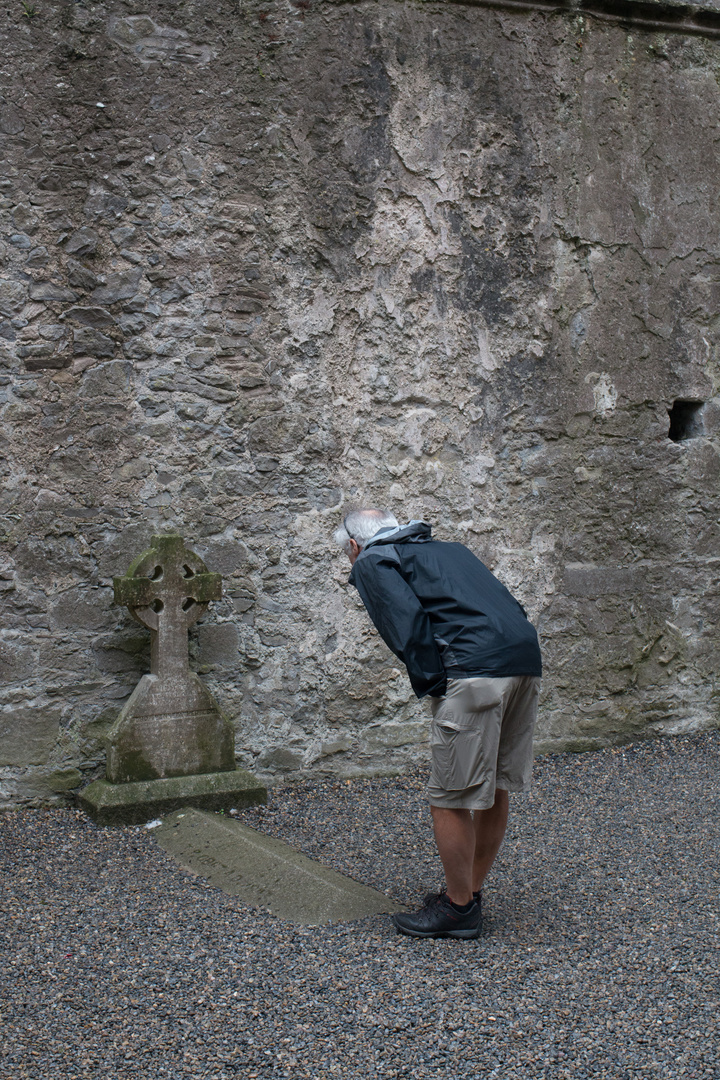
(80, 277)
(104, 206)
(90, 342)
(91, 735)
(711, 418)
(280, 757)
(218, 644)
(48, 290)
(138, 348)
(193, 411)
(63, 780)
(336, 746)
(131, 804)
(12, 296)
(75, 611)
(26, 352)
(83, 241)
(11, 120)
(392, 734)
(37, 258)
(27, 735)
(110, 380)
(226, 556)
(16, 659)
(96, 317)
(123, 234)
(120, 286)
(277, 433)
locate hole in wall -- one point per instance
(685, 419)
(187, 603)
(157, 606)
(156, 574)
(188, 572)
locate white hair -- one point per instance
(361, 526)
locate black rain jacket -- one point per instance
(441, 611)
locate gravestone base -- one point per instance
(143, 800)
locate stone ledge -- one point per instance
(135, 803)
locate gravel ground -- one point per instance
(599, 958)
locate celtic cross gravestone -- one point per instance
(171, 726)
(171, 745)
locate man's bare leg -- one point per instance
(489, 829)
(456, 843)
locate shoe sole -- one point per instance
(465, 935)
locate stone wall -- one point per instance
(261, 261)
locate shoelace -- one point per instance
(432, 898)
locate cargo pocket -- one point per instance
(442, 765)
(457, 757)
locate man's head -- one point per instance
(360, 526)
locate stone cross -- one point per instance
(170, 746)
(171, 725)
(168, 589)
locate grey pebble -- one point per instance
(599, 956)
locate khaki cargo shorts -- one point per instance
(481, 738)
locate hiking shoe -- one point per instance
(439, 919)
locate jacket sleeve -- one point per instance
(401, 622)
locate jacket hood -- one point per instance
(414, 531)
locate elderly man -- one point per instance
(468, 646)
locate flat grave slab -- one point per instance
(265, 871)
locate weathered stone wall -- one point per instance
(263, 260)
